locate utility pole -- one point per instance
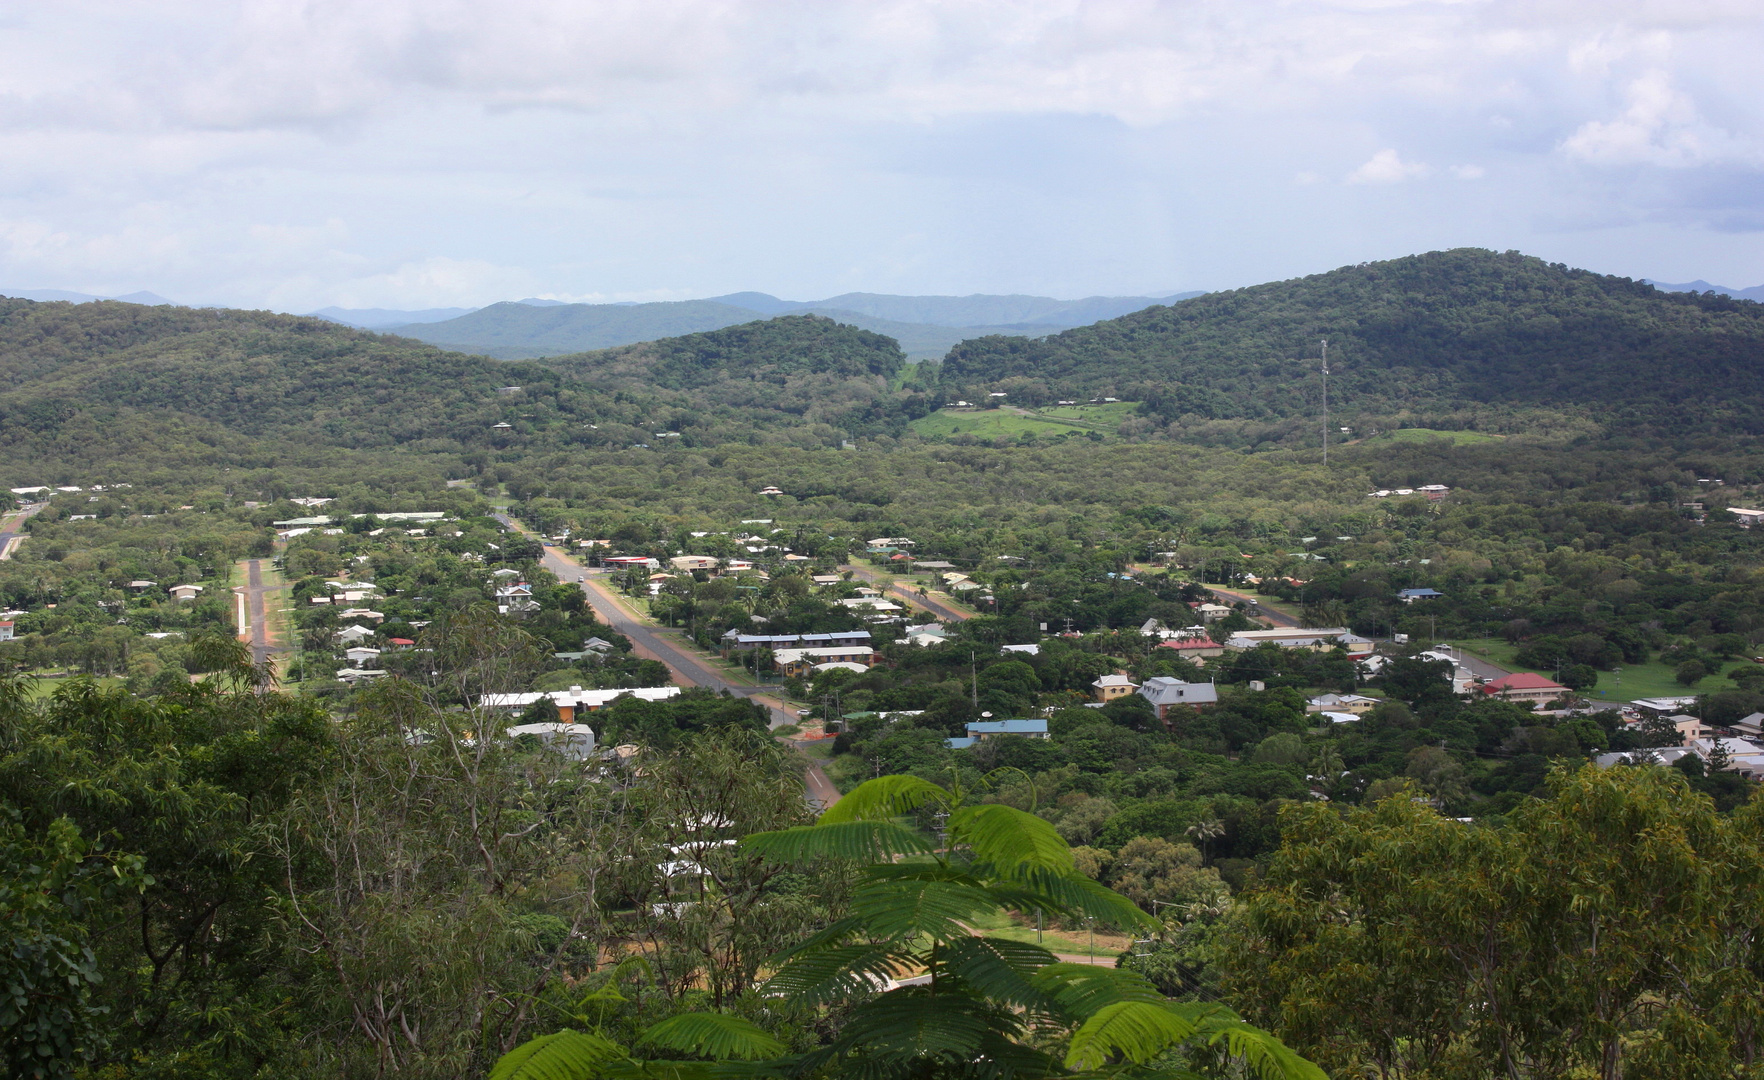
(1325, 403)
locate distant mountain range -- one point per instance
(927, 327)
(379, 318)
(1756, 292)
(46, 295)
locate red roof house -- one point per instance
(1524, 686)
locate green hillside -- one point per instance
(1445, 330)
(117, 389)
(773, 351)
(512, 331)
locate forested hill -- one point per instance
(1430, 331)
(94, 385)
(116, 389)
(774, 352)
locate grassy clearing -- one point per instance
(1105, 417)
(986, 424)
(1068, 942)
(1418, 434)
(1652, 679)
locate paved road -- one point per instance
(1278, 618)
(913, 599)
(257, 626)
(669, 647)
(10, 536)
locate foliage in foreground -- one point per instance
(919, 993)
(1610, 930)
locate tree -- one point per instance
(1599, 932)
(1691, 672)
(911, 908)
(1580, 676)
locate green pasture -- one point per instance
(987, 424)
(1652, 679)
(1421, 434)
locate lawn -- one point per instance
(1421, 434)
(1652, 679)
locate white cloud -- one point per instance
(307, 152)
(1388, 167)
(1660, 127)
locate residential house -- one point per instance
(516, 599)
(185, 593)
(693, 562)
(361, 655)
(400, 644)
(1314, 640)
(1409, 596)
(986, 729)
(6, 629)
(928, 634)
(1358, 704)
(140, 585)
(352, 675)
(981, 730)
(1211, 613)
(1524, 687)
(735, 642)
(1022, 650)
(355, 633)
(1197, 649)
(1167, 694)
(575, 701)
(574, 741)
(792, 662)
(1110, 687)
(362, 613)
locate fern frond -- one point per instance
(814, 978)
(1261, 1052)
(998, 969)
(913, 1022)
(562, 1055)
(714, 1035)
(1137, 1030)
(884, 798)
(1081, 990)
(904, 910)
(1009, 840)
(1070, 894)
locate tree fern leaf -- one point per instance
(562, 1055)
(1081, 990)
(840, 972)
(714, 1035)
(1265, 1055)
(884, 798)
(1010, 840)
(1000, 970)
(903, 910)
(1136, 1030)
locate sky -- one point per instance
(429, 153)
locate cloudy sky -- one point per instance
(416, 153)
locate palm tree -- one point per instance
(922, 994)
(1202, 831)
